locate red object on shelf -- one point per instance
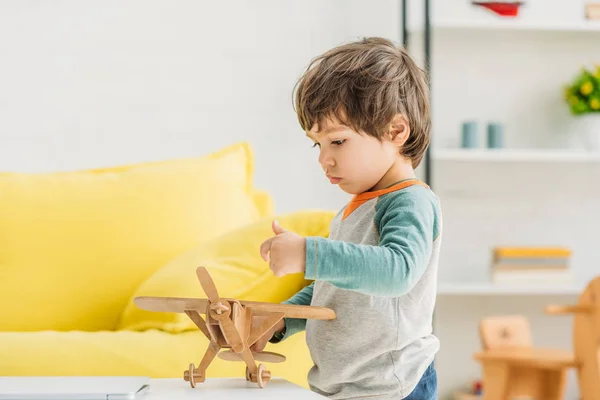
(477, 387)
(504, 8)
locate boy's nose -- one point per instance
(325, 159)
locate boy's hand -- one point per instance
(286, 251)
(261, 343)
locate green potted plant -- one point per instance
(583, 99)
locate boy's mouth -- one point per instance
(334, 180)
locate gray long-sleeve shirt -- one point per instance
(378, 272)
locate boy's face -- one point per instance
(357, 162)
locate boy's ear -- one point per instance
(399, 130)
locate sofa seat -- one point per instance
(151, 353)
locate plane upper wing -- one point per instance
(181, 304)
(170, 304)
(290, 310)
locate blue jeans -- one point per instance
(426, 389)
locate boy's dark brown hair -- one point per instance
(363, 85)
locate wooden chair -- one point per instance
(512, 367)
(504, 331)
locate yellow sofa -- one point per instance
(77, 247)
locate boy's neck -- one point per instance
(399, 171)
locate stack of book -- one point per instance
(531, 265)
(592, 10)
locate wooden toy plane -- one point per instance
(231, 324)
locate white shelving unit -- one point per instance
(551, 37)
(538, 17)
(517, 24)
(492, 289)
(515, 155)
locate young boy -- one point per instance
(365, 105)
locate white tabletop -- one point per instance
(226, 388)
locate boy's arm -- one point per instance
(295, 325)
(407, 225)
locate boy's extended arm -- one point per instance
(295, 325)
(407, 225)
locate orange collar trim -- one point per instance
(362, 198)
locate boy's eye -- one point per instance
(338, 142)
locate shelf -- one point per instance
(514, 155)
(491, 289)
(519, 25)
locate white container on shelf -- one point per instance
(586, 129)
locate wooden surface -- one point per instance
(226, 388)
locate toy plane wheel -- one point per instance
(263, 356)
(189, 376)
(264, 376)
(193, 376)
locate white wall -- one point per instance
(89, 84)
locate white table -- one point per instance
(226, 388)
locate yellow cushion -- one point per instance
(235, 265)
(152, 353)
(262, 199)
(75, 245)
(264, 203)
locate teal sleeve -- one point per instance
(295, 325)
(406, 221)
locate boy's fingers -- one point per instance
(273, 267)
(275, 262)
(276, 270)
(265, 247)
(277, 229)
